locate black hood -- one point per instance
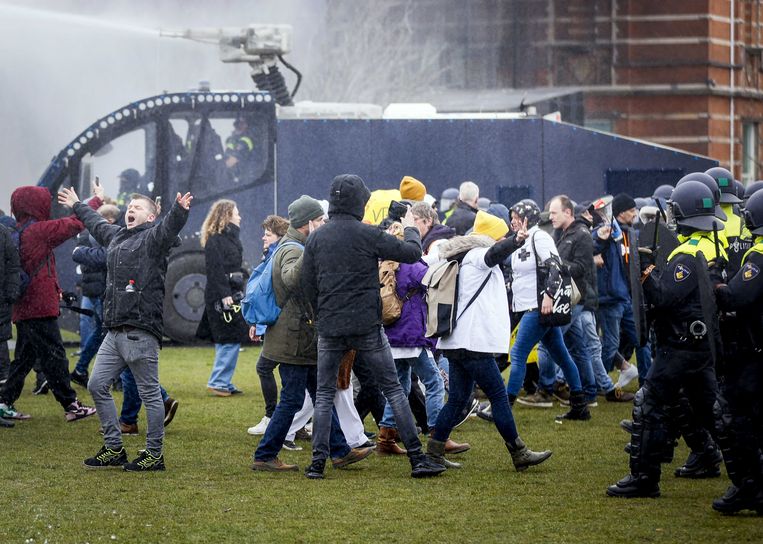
(348, 195)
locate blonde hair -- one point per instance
(217, 219)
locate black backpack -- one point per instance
(24, 277)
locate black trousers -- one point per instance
(39, 339)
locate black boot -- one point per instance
(436, 452)
(578, 408)
(632, 487)
(315, 470)
(422, 466)
(705, 464)
(749, 496)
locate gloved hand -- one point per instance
(646, 257)
(716, 269)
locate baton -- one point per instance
(77, 309)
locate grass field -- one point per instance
(209, 493)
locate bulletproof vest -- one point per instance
(738, 237)
(702, 242)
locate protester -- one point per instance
(36, 312)
(9, 292)
(291, 342)
(222, 321)
(462, 218)
(137, 258)
(341, 281)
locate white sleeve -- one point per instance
(545, 246)
(476, 258)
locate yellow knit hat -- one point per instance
(412, 189)
(490, 225)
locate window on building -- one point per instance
(749, 151)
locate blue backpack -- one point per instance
(259, 304)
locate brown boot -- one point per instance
(386, 444)
(453, 447)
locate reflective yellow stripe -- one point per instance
(757, 248)
(248, 141)
(733, 224)
(702, 242)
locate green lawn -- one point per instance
(209, 493)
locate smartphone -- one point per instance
(158, 201)
(397, 210)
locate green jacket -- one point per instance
(292, 339)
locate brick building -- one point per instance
(659, 70)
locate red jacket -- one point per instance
(38, 241)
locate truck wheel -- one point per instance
(184, 297)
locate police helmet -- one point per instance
(753, 213)
(527, 209)
(663, 192)
(483, 203)
(752, 188)
(725, 181)
(693, 206)
(739, 189)
(710, 183)
(449, 194)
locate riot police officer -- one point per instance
(686, 330)
(740, 409)
(737, 237)
(239, 149)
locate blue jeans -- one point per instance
(529, 333)
(86, 322)
(294, 380)
(226, 356)
(131, 402)
(427, 371)
(464, 372)
(373, 353)
(575, 340)
(590, 342)
(95, 338)
(616, 320)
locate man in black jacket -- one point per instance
(9, 292)
(340, 277)
(136, 265)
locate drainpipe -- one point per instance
(731, 86)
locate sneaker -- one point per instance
(466, 414)
(8, 411)
(303, 434)
(7, 423)
(219, 392)
(80, 378)
(627, 376)
(274, 465)
(41, 388)
(76, 410)
(540, 399)
(561, 391)
(355, 455)
(107, 458)
(260, 428)
(618, 395)
(235, 390)
(170, 407)
(315, 470)
(291, 446)
(145, 463)
(485, 411)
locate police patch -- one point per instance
(749, 271)
(681, 273)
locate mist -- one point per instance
(67, 62)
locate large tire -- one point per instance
(184, 297)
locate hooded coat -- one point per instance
(340, 269)
(39, 239)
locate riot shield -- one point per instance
(709, 306)
(637, 294)
(662, 242)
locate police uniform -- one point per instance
(686, 339)
(740, 409)
(240, 145)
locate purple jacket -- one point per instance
(409, 330)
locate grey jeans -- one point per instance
(138, 350)
(373, 351)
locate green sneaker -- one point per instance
(107, 458)
(145, 463)
(8, 411)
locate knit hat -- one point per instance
(412, 189)
(303, 210)
(490, 225)
(621, 203)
